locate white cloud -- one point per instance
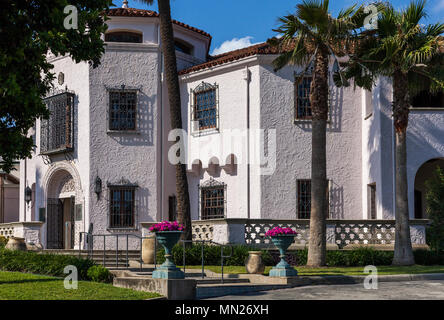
(233, 44)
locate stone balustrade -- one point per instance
(339, 232)
(30, 231)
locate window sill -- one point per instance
(205, 132)
(303, 121)
(57, 151)
(112, 132)
(132, 229)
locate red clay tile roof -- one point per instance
(132, 12)
(261, 48)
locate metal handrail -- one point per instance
(90, 249)
(89, 238)
(222, 256)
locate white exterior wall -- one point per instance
(425, 141)
(293, 159)
(132, 157)
(232, 108)
(38, 173)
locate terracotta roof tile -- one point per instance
(132, 12)
(261, 48)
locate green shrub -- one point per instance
(212, 255)
(100, 274)
(435, 210)
(40, 263)
(3, 241)
(335, 258)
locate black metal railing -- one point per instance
(88, 240)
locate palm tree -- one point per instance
(408, 53)
(312, 36)
(172, 80)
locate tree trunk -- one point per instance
(172, 80)
(319, 104)
(403, 246)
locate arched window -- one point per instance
(183, 47)
(123, 36)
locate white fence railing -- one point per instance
(339, 232)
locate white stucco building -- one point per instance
(102, 159)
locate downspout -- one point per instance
(23, 193)
(393, 164)
(162, 173)
(247, 79)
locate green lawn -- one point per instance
(305, 271)
(25, 286)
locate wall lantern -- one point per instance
(98, 186)
(28, 194)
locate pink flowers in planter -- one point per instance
(279, 231)
(167, 226)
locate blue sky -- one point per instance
(238, 23)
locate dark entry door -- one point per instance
(54, 222)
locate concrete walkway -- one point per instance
(409, 290)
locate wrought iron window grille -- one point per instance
(57, 132)
(302, 105)
(212, 200)
(303, 198)
(204, 109)
(123, 109)
(123, 208)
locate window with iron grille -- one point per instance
(56, 133)
(303, 190)
(213, 200)
(302, 98)
(122, 206)
(122, 110)
(205, 107)
(304, 198)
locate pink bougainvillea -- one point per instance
(278, 231)
(167, 226)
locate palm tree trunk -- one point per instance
(403, 246)
(172, 80)
(319, 103)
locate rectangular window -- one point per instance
(172, 208)
(302, 98)
(204, 107)
(122, 207)
(304, 198)
(56, 133)
(122, 110)
(213, 202)
(371, 207)
(418, 204)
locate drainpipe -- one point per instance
(162, 173)
(23, 193)
(247, 78)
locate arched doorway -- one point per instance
(424, 173)
(60, 211)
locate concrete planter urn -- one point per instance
(282, 238)
(15, 243)
(149, 250)
(254, 263)
(168, 269)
